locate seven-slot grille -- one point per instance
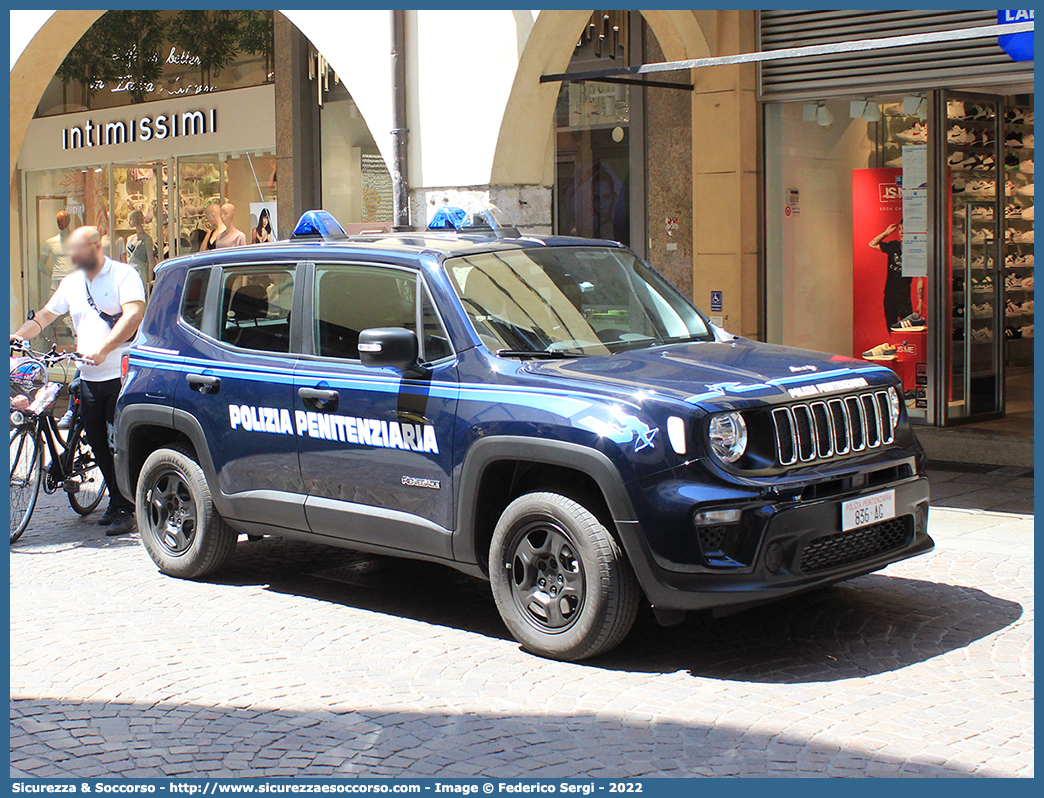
(821, 429)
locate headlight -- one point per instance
(17, 418)
(728, 436)
(893, 406)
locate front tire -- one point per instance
(26, 476)
(561, 582)
(182, 532)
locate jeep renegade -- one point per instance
(549, 414)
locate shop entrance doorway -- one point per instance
(985, 306)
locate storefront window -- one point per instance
(357, 187)
(594, 139)
(57, 201)
(246, 181)
(942, 297)
(846, 231)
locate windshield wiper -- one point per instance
(538, 354)
(648, 343)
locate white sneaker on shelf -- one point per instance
(917, 133)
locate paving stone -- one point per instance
(924, 669)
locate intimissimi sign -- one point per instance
(144, 128)
(236, 120)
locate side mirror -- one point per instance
(389, 347)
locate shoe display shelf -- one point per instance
(1018, 243)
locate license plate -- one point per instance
(868, 510)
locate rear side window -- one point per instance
(194, 296)
(255, 308)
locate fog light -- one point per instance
(716, 517)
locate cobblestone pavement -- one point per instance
(304, 660)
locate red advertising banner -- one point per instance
(881, 296)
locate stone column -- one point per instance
(725, 186)
(298, 151)
(668, 176)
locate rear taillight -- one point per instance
(124, 366)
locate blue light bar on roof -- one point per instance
(318, 224)
(448, 218)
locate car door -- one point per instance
(237, 384)
(375, 445)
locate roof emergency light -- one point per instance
(448, 217)
(318, 225)
(488, 221)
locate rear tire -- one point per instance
(561, 582)
(92, 484)
(182, 532)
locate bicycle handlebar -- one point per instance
(51, 358)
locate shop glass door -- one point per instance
(974, 263)
(140, 212)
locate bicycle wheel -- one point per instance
(26, 476)
(89, 476)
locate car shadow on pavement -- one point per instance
(870, 625)
(89, 738)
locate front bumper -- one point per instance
(785, 562)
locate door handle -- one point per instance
(204, 383)
(319, 398)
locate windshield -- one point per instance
(563, 301)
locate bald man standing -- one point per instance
(106, 300)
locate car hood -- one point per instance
(716, 374)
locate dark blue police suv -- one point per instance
(546, 413)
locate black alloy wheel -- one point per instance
(547, 578)
(171, 511)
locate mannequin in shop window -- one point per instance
(215, 227)
(53, 250)
(231, 237)
(141, 250)
(899, 311)
(262, 234)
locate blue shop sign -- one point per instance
(1018, 45)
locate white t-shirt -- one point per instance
(116, 284)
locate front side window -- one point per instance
(255, 308)
(353, 298)
(571, 301)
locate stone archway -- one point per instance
(37, 64)
(45, 51)
(524, 154)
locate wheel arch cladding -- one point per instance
(498, 469)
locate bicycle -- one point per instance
(36, 438)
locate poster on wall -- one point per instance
(888, 310)
(263, 222)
